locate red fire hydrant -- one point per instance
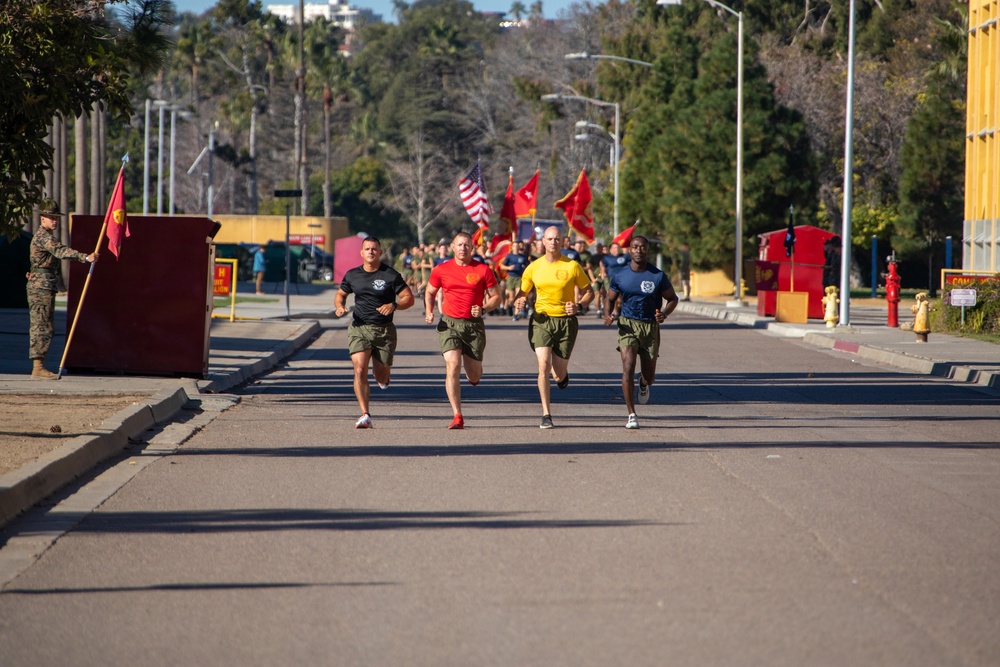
(892, 294)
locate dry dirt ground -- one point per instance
(33, 425)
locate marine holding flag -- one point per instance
(44, 253)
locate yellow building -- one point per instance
(981, 233)
(263, 228)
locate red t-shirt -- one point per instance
(464, 286)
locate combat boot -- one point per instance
(41, 372)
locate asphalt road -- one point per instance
(781, 505)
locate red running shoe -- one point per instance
(457, 423)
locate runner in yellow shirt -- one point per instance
(554, 325)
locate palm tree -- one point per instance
(327, 76)
(517, 10)
(196, 43)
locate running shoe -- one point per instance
(562, 384)
(364, 422)
(457, 423)
(546, 422)
(643, 391)
(383, 386)
(633, 421)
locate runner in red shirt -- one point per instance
(469, 289)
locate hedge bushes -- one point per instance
(983, 318)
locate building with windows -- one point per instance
(981, 233)
(335, 11)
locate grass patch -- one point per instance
(224, 301)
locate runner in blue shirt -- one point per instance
(611, 263)
(642, 288)
(514, 264)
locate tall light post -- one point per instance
(583, 55)
(288, 195)
(845, 231)
(738, 270)
(557, 97)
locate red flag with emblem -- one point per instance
(525, 199)
(116, 219)
(625, 238)
(500, 243)
(576, 206)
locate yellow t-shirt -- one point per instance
(553, 283)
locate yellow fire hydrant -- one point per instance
(921, 321)
(830, 302)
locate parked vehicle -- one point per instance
(241, 252)
(306, 266)
(319, 265)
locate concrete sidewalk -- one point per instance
(238, 352)
(247, 348)
(867, 336)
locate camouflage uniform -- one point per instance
(44, 253)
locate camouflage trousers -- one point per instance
(42, 315)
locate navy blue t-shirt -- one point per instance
(641, 291)
(372, 290)
(516, 262)
(613, 264)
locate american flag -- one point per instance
(474, 199)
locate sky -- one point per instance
(384, 7)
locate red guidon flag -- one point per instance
(576, 206)
(625, 238)
(116, 219)
(477, 236)
(500, 243)
(525, 199)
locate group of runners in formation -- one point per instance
(562, 289)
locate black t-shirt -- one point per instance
(372, 290)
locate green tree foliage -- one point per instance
(680, 168)
(932, 183)
(54, 59)
(357, 192)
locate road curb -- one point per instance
(986, 377)
(35, 481)
(233, 376)
(25, 487)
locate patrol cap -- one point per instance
(50, 209)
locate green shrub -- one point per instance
(982, 318)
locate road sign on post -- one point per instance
(963, 298)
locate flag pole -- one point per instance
(86, 286)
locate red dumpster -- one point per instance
(807, 270)
(148, 312)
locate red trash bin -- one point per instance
(808, 270)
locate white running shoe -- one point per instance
(383, 386)
(643, 391)
(364, 422)
(633, 421)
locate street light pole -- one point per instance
(145, 162)
(738, 268)
(583, 55)
(556, 97)
(288, 196)
(159, 161)
(845, 233)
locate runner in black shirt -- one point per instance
(379, 291)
